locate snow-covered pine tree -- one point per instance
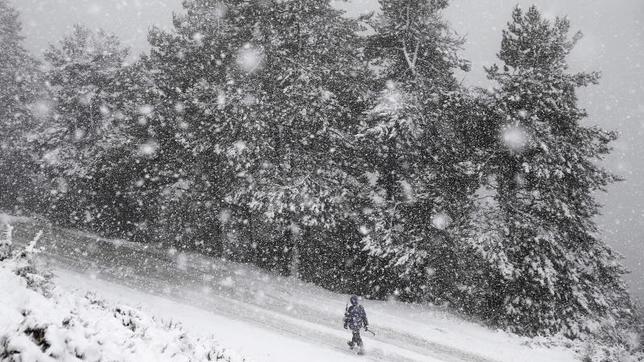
(195, 121)
(18, 76)
(265, 91)
(85, 130)
(306, 87)
(415, 166)
(552, 272)
(21, 103)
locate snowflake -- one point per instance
(145, 109)
(148, 148)
(41, 108)
(515, 138)
(250, 58)
(224, 216)
(441, 221)
(198, 37)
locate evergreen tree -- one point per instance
(85, 130)
(551, 270)
(417, 171)
(265, 92)
(192, 131)
(307, 88)
(21, 103)
(83, 70)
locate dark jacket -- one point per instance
(355, 317)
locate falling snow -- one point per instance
(515, 138)
(243, 167)
(249, 58)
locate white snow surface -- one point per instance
(266, 317)
(40, 322)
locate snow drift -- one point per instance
(40, 322)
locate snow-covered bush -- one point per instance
(5, 242)
(39, 322)
(603, 353)
(612, 340)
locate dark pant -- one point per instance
(356, 338)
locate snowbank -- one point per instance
(39, 322)
(263, 316)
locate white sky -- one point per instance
(613, 44)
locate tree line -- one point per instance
(343, 151)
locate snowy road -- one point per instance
(263, 316)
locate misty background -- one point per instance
(613, 44)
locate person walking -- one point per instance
(355, 318)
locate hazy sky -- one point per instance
(613, 44)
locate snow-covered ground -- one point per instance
(41, 322)
(263, 316)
